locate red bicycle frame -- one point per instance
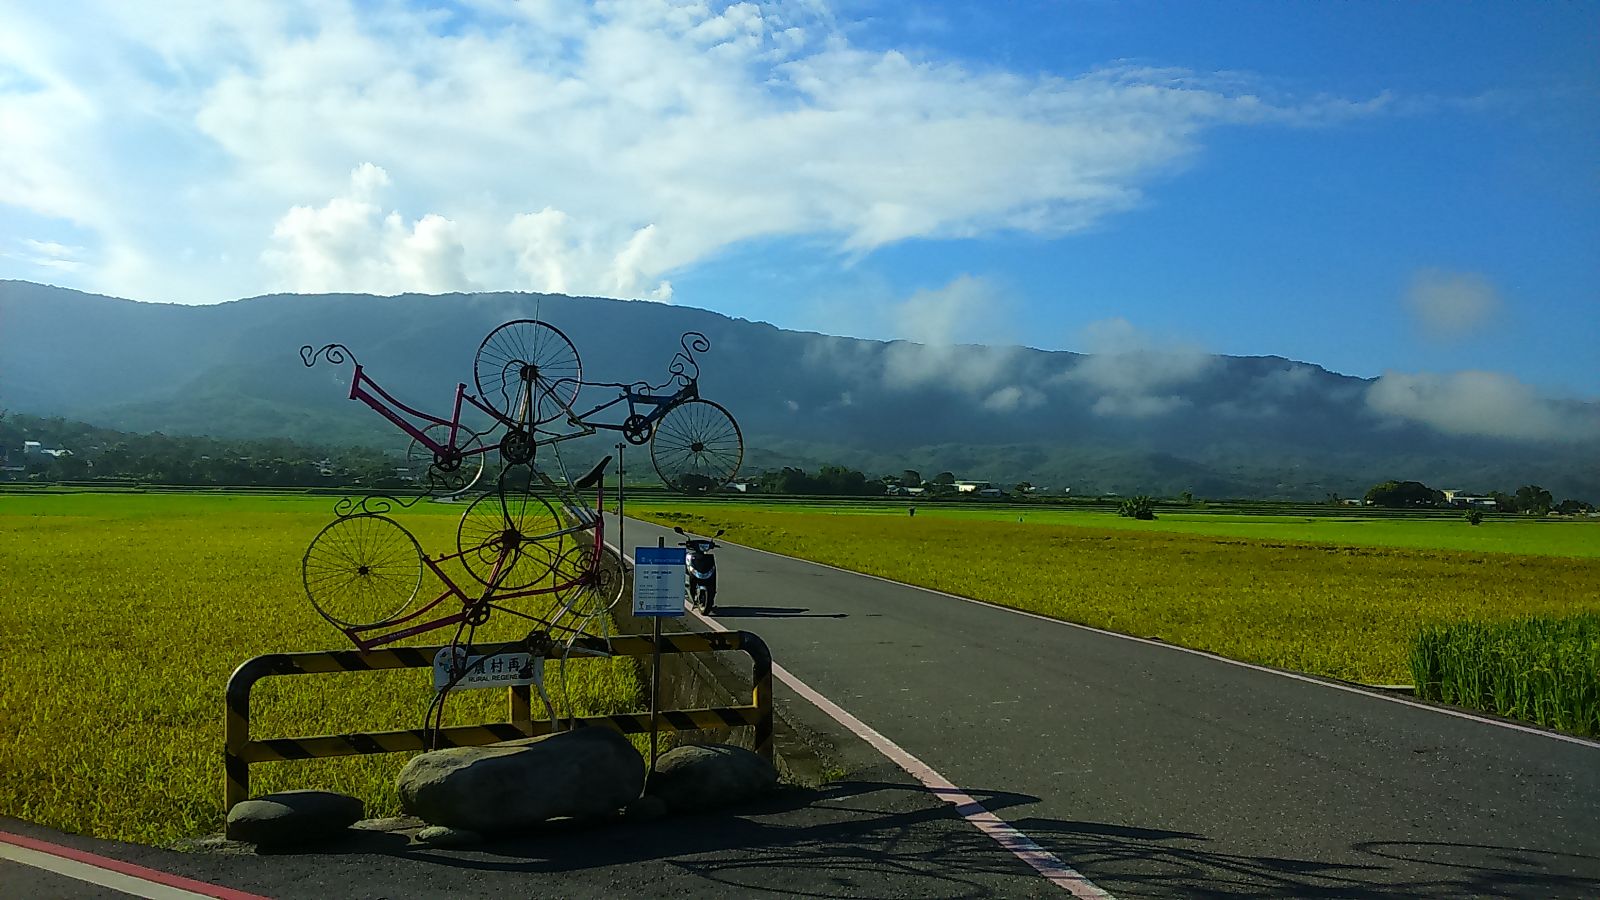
(469, 605)
(363, 388)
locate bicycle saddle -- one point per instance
(594, 476)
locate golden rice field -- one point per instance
(123, 616)
(1341, 610)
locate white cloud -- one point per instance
(600, 148)
(1013, 397)
(1483, 404)
(1136, 375)
(52, 255)
(1451, 305)
(944, 326)
(350, 244)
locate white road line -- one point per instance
(1018, 844)
(111, 873)
(1295, 676)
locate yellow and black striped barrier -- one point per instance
(241, 750)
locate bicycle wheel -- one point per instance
(447, 474)
(528, 371)
(517, 530)
(697, 447)
(588, 587)
(362, 570)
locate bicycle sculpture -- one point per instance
(533, 544)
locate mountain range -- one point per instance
(1141, 422)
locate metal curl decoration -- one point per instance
(371, 505)
(333, 353)
(682, 371)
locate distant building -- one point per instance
(971, 487)
(1465, 500)
(32, 448)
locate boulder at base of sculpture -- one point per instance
(697, 778)
(292, 817)
(584, 774)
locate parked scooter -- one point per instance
(700, 571)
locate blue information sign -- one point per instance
(658, 581)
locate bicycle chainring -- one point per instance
(636, 429)
(517, 447)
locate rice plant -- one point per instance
(1543, 670)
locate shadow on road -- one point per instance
(776, 612)
(865, 836)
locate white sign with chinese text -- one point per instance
(499, 670)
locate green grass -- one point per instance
(1329, 609)
(1578, 538)
(1543, 670)
(124, 616)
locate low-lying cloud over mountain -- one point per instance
(1139, 414)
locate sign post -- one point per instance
(657, 592)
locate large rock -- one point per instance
(698, 778)
(588, 773)
(292, 817)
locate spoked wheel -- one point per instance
(588, 588)
(518, 531)
(451, 473)
(528, 372)
(697, 447)
(362, 570)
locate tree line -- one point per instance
(92, 453)
(1530, 498)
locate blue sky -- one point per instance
(1409, 190)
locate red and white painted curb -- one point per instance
(115, 874)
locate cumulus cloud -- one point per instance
(555, 256)
(1483, 404)
(1135, 374)
(597, 147)
(1451, 305)
(350, 244)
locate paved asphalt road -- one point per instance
(1158, 773)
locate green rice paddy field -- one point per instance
(1508, 534)
(121, 617)
(1347, 605)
